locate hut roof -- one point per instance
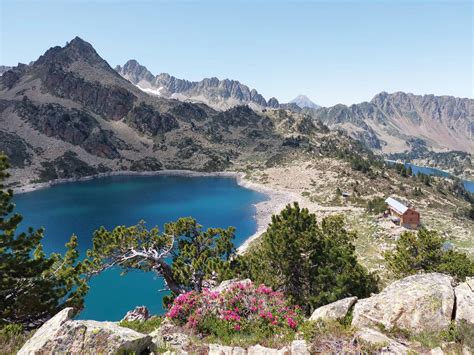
(396, 205)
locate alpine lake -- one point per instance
(82, 207)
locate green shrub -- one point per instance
(250, 334)
(426, 251)
(376, 205)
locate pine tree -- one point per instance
(184, 255)
(313, 264)
(33, 286)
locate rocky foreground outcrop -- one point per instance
(61, 334)
(334, 311)
(418, 303)
(424, 303)
(465, 302)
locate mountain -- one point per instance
(401, 121)
(4, 68)
(389, 123)
(219, 94)
(69, 114)
(303, 101)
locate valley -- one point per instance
(69, 115)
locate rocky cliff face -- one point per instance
(389, 122)
(70, 114)
(219, 94)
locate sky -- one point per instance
(332, 51)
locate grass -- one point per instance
(312, 330)
(221, 332)
(144, 327)
(250, 339)
(457, 335)
(12, 338)
(452, 339)
(330, 336)
(370, 241)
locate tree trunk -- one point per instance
(165, 271)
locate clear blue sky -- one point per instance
(332, 51)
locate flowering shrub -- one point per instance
(241, 309)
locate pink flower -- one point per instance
(291, 323)
(246, 302)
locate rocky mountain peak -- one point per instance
(273, 102)
(77, 50)
(134, 71)
(303, 101)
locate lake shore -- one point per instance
(277, 199)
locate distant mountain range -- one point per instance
(69, 114)
(401, 122)
(389, 123)
(219, 94)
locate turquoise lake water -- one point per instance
(468, 184)
(81, 207)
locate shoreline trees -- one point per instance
(33, 286)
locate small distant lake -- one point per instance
(468, 184)
(82, 207)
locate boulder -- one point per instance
(335, 311)
(44, 334)
(378, 341)
(299, 347)
(261, 350)
(62, 335)
(416, 303)
(465, 302)
(216, 349)
(140, 313)
(170, 336)
(436, 351)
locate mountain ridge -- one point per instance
(219, 94)
(400, 121)
(69, 114)
(388, 123)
